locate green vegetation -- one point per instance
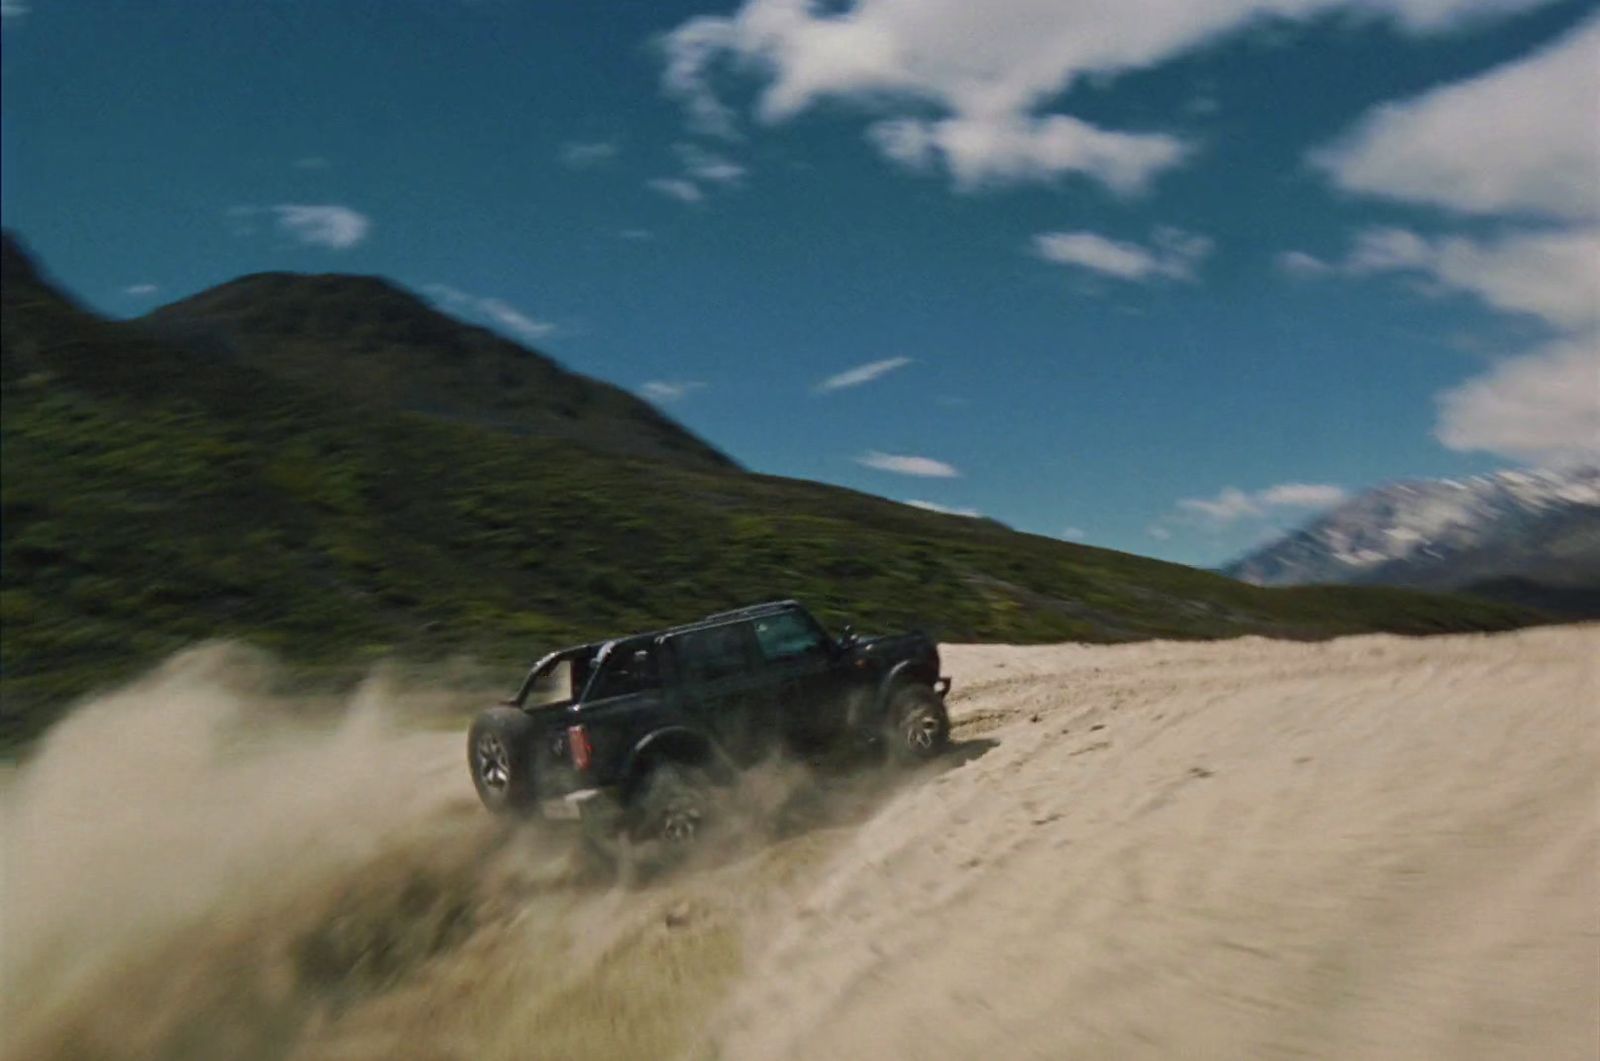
(155, 495)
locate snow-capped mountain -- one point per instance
(1534, 527)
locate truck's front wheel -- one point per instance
(918, 727)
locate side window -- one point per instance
(708, 655)
(627, 669)
(789, 636)
(554, 686)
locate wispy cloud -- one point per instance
(934, 506)
(10, 9)
(637, 235)
(685, 191)
(1232, 505)
(1172, 254)
(1552, 274)
(664, 391)
(588, 154)
(708, 167)
(312, 162)
(922, 467)
(327, 225)
(866, 373)
(489, 310)
(1299, 263)
(141, 290)
(1073, 534)
(332, 226)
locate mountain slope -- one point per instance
(1510, 532)
(373, 342)
(153, 495)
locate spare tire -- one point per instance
(499, 754)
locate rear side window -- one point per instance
(707, 655)
(788, 636)
(627, 669)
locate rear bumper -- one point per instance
(591, 807)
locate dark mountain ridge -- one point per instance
(370, 341)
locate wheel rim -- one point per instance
(494, 763)
(922, 732)
(680, 823)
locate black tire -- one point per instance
(918, 727)
(674, 809)
(498, 747)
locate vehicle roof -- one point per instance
(749, 611)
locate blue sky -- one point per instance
(1160, 276)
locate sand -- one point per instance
(1376, 847)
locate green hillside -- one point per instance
(368, 341)
(154, 494)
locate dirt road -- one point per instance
(1375, 847)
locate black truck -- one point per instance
(639, 736)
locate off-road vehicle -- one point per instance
(638, 736)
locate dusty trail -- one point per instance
(1374, 847)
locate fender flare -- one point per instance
(676, 742)
(904, 672)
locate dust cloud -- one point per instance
(1375, 847)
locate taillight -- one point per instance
(579, 747)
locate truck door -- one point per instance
(721, 686)
(802, 664)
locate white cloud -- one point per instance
(513, 319)
(1521, 137)
(987, 70)
(934, 506)
(1302, 495)
(658, 390)
(588, 154)
(684, 191)
(1173, 254)
(490, 310)
(1232, 505)
(866, 373)
(1551, 274)
(985, 152)
(141, 290)
(1229, 506)
(924, 467)
(1299, 263)
(1074, 534)
(1539, 406)
(1158, 532)
(706, 167)
(332, 226)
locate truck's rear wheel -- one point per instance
(675, 807)
(498, 756)
(918, 727)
